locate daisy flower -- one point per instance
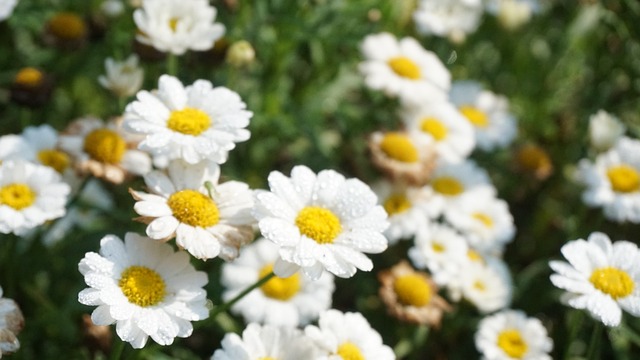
(411, 295)
(347, 336)
(600, 277)
(605, 130)
(448, 18)
(6, 8)
(180, 206)
(534, 161)
(487, 285)
(105, 151)
(193, 123)
(445, 126)
(404, 69)
(510, 334)
(403, 156)
(291, 302)
(321, 222)
(613, 181)
(30, 194)
(260, 342)
(176, 26)
(43, 140)
(11, 323)
(123, 78)
(513, 13)
(494, 126)
(145, 288)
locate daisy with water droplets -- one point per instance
(105, 151)
(321, 222)
(123, 78)
(613, 181)
(194, 123)
(440, 249)
(600, 277)
(145, 288)
(176, 26)
(207, 222)
(510, 334)
(291, 302)
(11, 323)
(493, 124)
(266, 342)
(347, 336)
(30, 195)
(403, 68)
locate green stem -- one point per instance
(419, 339)
(629, 333)
(228, 304)
(573, 332)
(172, 64)
(594, 345)
(116, 350)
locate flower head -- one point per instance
(605, 130)
(123, 78)
(11, 323)
(448, 18)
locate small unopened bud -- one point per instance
(240, 54)
(604, 130)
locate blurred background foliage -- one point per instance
(311, 107)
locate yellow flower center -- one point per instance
(29, 77)
(54, 159)
(17, 196)
(474, 256)
(613, 282)
(412, 289)
(279, 288)
(438, 247)
(399, 147)
(405, 67)
(624, 178)
(68, 26)
(533, 158)
(434, 127)
(142, 286)
(349, 351)
(475, 116)
(447, 185)
(512, 343)
(396, 204)
(194, 208)
(479, 285)
(484, 219)
(105, 146)
(319, 224)
(189, 121)
(173, 24)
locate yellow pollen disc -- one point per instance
(475, 116)
(189, 121)
(412, 289)
(68, 26)
(435, 128)
(105, 146)
(399, 147)
(17, 196)
(484, 219)
(624, 178)
(54, 159)
(349, 351)
(173, 24)
(479, 285)
(614, 282)
(512, 343)
(438, 247)
(30, 77)
(142, 286)
(194, 208)
(474, 256)
(396, 204)
(405, 67)
(447, 185)
(319, 224)
(533, 157)
(279, 288)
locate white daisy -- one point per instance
(123, 78)
(15, 147)
(195, 123)
(487, 286)
(291, 302)
(264, 343)
(205, 225)
(404, 69)
(613, 181)
(448, 18)
(601, 277)
(450, 131)
(30, 194)
(145, 288)
(320, 222)
(6, 8)
(510, 334)
(11, 323)
(408, 209)
(176, 26)
(440, 249)
(605, 130)
(347, 336)
(493, 123)
(513, 13)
